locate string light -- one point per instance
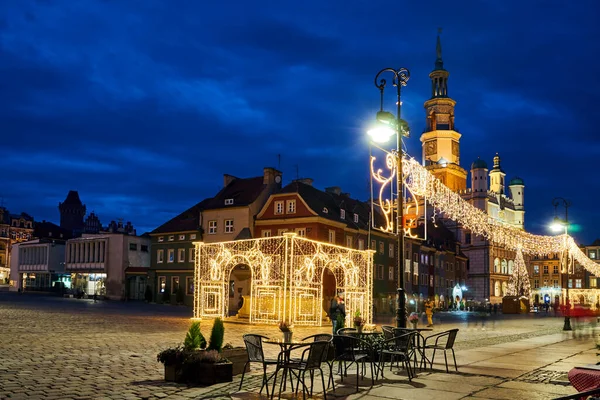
(287, 278)
(518, 282)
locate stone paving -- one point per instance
(76, 349)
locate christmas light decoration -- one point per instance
(287, 278)
(518, 282)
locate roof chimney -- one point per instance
(227, 179)
(306, 181)
(334, 190)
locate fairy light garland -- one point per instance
(420, 182)
(518, 283)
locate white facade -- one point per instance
(98, 262)
(34, 262)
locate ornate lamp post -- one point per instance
(387, 126)
(557, 226)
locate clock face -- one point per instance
(430, 148)
(277, 179)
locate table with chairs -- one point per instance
(299, 360)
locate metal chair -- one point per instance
(347, 350)
(256, 355)
(325, 337)
(310, 361)
(450, 337)
(399, 348)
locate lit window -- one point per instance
(331, 236)
(536, 269)
(536, 283)
(592, 254)
(181, 255)
(343, 214)
(266, 233)
(161, 239)
(301, 232)
(556, 283)
(279, 207)
(228, 226)
(181, 237)
(280, 232)
(192, 236)
(212, 227)
(171, 255)
(577, 283)
(593, 282)
(162, 284)
(381, 247)
(356, 218)
(348, 241)
(361, 244)
(570, 283)
(160, 256)
(228, 202)
(291, 206)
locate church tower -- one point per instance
(440, 141)
(72, 211)
(497, 177)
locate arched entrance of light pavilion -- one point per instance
(287, 278)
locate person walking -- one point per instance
(429, 312)
(333, 313)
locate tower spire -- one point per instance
(439, 63)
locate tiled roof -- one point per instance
(189, 220)
(243, 191)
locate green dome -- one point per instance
(516, 181)
(479, 163)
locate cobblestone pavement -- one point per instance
(54, 348)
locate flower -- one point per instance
(413, 317)
(358, 320)
(284, 326)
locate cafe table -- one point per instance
(286, 350)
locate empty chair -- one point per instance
(444, 341)
(256, 355)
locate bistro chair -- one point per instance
(325, 337)
(399, 348)
(347, 351)
(447, 343)
(310, 361)
(256, 355)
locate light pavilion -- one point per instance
(286, 278)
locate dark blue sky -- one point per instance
(141, 106)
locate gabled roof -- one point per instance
(329, 205)
(50, 230)
(189, 220)
(243, 191)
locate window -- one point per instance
(467, 237)
(133, 246)
(174, 284)
(228, 202)
(181, 237)
(192, 236)
(356, 218)
(278, 207)
(331, 236)
(373, 245)
(556, 269)
(171, 255)
(391, 251)
(162, 284)
(380, 272)
(391, 273)
(189, 285)
(144, 248)
(192, 254)
(228, 226)
(545, 269)
(593, 282)
(171, 238)
(555, 283)
(536, 283)
(381, 247)
(361, 244)
(280, 232)
(431, 280)
(291, 206)
(570, 283)
(578, 283)
(160, 256)
(212, 227)
(348, 241)
(536, 269)
(342, 214)
(265, 233)
(301, 232)
(161, 239)
(181, 255)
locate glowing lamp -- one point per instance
(557, 225)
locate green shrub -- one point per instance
(216, 335)
(340, 322)
(179, 295)
(194, 339)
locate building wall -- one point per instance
(242, 217)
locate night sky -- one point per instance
(142, 106)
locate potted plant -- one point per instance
(413, 318)
(207, 367)
(359, 322)
(238, 357)
(174, 358)
(286, 329)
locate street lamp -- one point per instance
(557, 226)
(386, 126)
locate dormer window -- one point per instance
(325, 210)
(356, 218)
(161, 239)
(228, 202)
(343, 214)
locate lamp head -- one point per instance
(557, 225)
(386, 126)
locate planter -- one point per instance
(238, 357)
(287, 337)
(359, 329)
(174, 373)
(209, 374)
(414, 324)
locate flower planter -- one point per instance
(174, 373)
(238, 357)
(209, 374)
